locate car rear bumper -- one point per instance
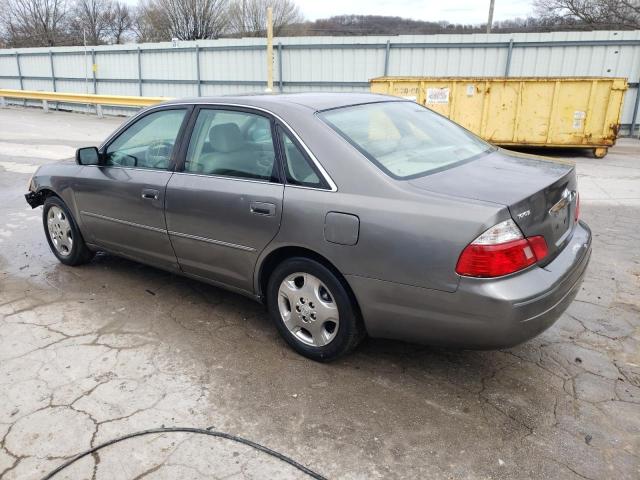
(481, 313)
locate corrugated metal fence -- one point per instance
(229, 66)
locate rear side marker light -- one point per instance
(577, 212)
(501, 250)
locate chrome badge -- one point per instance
(567, 197)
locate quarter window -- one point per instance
(298, 169)
(232, 143)
(148, 143)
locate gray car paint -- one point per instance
(402, 268)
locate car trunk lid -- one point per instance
(541, 194)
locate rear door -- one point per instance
(121, 200)
(225, 204)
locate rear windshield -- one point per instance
(405, 139)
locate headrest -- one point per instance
(225, 137)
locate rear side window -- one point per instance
(232, 144)
(299, 170)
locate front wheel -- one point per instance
(62, 233)
(312, 310)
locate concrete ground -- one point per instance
(91, 353)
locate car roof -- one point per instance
(315, 101)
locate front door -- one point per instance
(121, 201)
(225, 206)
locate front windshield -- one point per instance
(404, 139)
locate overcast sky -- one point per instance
(454, 11)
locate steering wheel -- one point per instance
(158, 153)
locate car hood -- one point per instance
(502, 177)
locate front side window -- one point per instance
(404, 139)
(298, 168)
(232, 143)
(148, 143)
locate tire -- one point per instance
(301, 294)
(64, 237)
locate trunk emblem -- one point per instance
(567, 197)
(526, 213)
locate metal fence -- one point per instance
(230, 66)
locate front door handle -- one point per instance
(262, 208)
(150, 194)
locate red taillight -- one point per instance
(577, 213)
(482, 259)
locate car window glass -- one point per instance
(232, 143)
(148, 143)
(404, 139)
(297, 168)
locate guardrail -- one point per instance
(87, 99)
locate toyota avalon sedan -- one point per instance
(346, 214)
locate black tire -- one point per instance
(350, 329)
(79, 253)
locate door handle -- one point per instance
(150, 194)
(262, 208)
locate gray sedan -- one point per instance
(346, 214)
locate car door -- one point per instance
(225, 204)
(121, 200)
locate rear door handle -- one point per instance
(262, 208)
(150, 194)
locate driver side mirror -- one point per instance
(87, 156)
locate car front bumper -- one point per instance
(481, 313)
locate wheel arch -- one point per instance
(278, 255)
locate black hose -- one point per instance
(200, 431)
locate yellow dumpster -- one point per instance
(579, 112)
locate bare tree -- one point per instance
(33, 23)
(182, 19)
(120, 21)
(150, 24)
(595, 13)
(249, 17)
(90, 18)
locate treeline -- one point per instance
(381, 25)
(37, 23)
(47, 23)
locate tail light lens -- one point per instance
(499, 251)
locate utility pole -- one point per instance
(269, 49)
(490, 20)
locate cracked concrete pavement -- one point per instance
(91, 353)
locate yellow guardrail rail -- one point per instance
(84, 98)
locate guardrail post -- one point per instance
(198, 70)
(99, 111)
(386, 58)
(636, 106)
(45, 106)
(280, 80)
(509, 53)
(3, 102)
(139, 72)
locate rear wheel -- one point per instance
(312, 310)
(63, 234)
(600, 152)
